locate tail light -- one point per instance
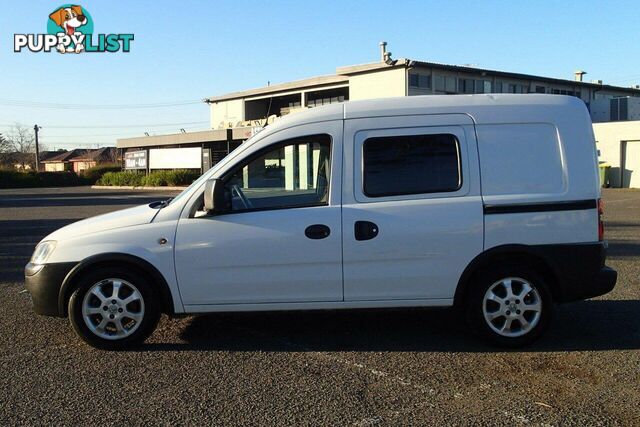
(600, 222)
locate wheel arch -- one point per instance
(508, 253)
(120, 260)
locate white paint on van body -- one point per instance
(425, 241)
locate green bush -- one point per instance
(16, 179)
(154, 179)
(92, 175)
(10, 178)
(122, 178)
(58, 179)
(182, 177)
(157, 179)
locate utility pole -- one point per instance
(36, 128)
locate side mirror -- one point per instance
(214, 197)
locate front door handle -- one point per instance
(317, 231)
(365, 230)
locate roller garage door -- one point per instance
(630, 164)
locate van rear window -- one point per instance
(411, 164)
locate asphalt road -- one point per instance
(360, 368)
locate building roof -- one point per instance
(66, 156)
(343, 73)
(507, 74)
(173, 139)
(282, 87)
(104, 154)
(46, 155)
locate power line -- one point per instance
(110, 143)
(58, 106)
(129, 126)
(634, 79)
(191, 128)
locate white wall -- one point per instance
(54, 167)
(608, 137)
(175, 158)
(227, 112)
(380, 84)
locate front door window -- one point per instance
(293, 174)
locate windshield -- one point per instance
(194, 184)
(208, 173)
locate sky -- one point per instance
(188, 50)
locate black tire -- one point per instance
(475, 309)
(151, 312)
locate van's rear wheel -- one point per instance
(113, 308)
(511, 307)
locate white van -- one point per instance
(490, 203)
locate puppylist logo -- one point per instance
(70, 30)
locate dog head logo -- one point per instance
(69, 18)
(71, 23)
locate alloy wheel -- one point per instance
(512, 307)
(113, 309)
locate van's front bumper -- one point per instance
(44, 283)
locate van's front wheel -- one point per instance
(113, 308)
(510, 307)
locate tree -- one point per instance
(22, 142)
(5, 149)
(5, 145)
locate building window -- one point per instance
(450, 84)
(421, 81)
(412, 164)
(482, 86)
(445, 84)
(413, 80)
(497, 87)
(517, 88)
(567, 92)
(466, 85)
(325, 101)
(540, 89)
(619, 108)
(325, 97)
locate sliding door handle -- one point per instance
(365, 230)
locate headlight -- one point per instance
(42, 252)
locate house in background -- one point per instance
(61, 162)
(18, 161)
(91, 158)
(25, 161)
(46, 155)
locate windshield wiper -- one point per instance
(160, 203)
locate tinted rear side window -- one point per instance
(412, 164)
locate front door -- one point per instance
(412, 210)
(282, 240)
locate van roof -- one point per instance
(489, 108)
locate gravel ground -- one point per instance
(361, 367)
